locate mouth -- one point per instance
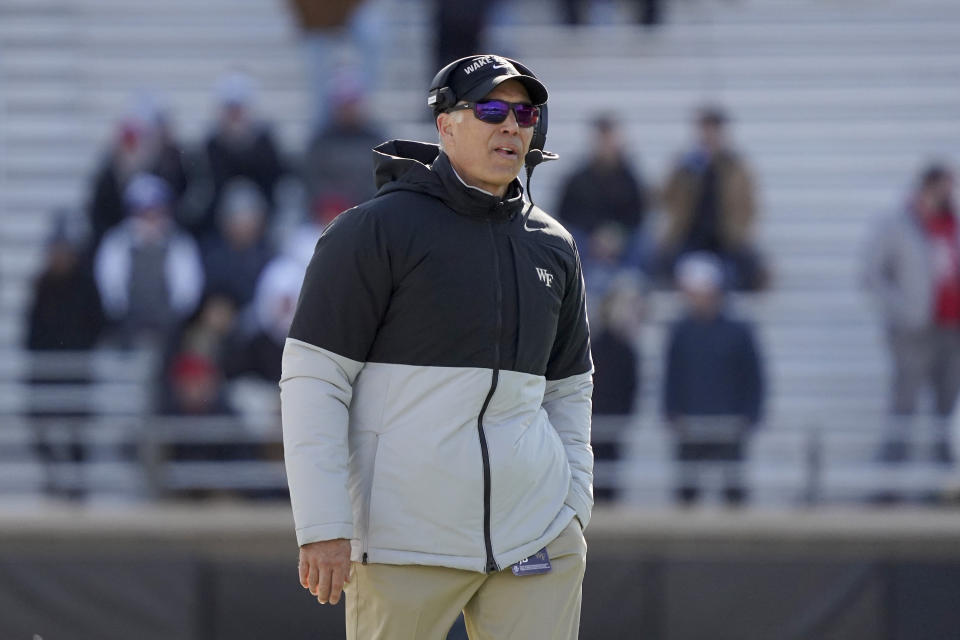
(507, 151)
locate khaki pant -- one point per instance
(411, 602)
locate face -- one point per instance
(712, 136)
(944, 192)
(937, 197)
(487, 156)
(704, 302)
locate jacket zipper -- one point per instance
(491, 564)
(366, 525)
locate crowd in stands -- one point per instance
(182, 248)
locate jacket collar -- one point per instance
(404, 165)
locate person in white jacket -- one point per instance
(436, 384)
(148, 271)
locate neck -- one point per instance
(499, 192)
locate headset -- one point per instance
(441, 97)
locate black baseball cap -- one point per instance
(476, 76)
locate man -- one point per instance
(239, 144)
(149, 272)
(711, 206)
(913, 272)
(436, 386)
(606, 188)
(606, 196)
(713, 391)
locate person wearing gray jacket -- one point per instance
(436, 385)
(912, 270)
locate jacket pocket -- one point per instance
(427, 492)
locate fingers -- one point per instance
(324, 567)
(304, 568)
(337, 578)
(313, 578)
(323, 586)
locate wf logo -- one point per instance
(545, 276)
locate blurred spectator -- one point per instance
(195, 352)
(169, 163)
(616, 361)
(66, 313)
(234, 258)
(913, 272)
(134, 150)
(239, 145)
(605, 191)
(459, 26)
(148, 272)
(193, 381)
(196, 387)
(339, 34)
(711, 206)
(615, 344)
(648, 12)
(260, 345)
(143, 142)
(338, 167)
(714, 388)
(606, 247)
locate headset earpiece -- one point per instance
(539, 139)
(441, 96)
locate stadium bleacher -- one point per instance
(835, 104)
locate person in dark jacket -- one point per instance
(616, 352)
(234, 258)
(436, 384)
(65, 315)
(605, 191)
(240, 145)
(142, 142)
(714, 388)
(338, 164)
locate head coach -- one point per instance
(437, 383)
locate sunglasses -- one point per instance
(496, 111)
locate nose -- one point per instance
(509, 125)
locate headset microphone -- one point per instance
(531, 160)
(537, 156)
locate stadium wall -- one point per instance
(229, 572)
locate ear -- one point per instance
(446, 125)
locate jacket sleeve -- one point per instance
(876, 274)
(753, 378)
(568, 395)
(672, 405)
(345, 291)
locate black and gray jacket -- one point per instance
(437, 378)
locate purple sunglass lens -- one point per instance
(527, 114)
(496, 111)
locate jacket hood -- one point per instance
(406, 165)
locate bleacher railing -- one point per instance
(83, 423)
